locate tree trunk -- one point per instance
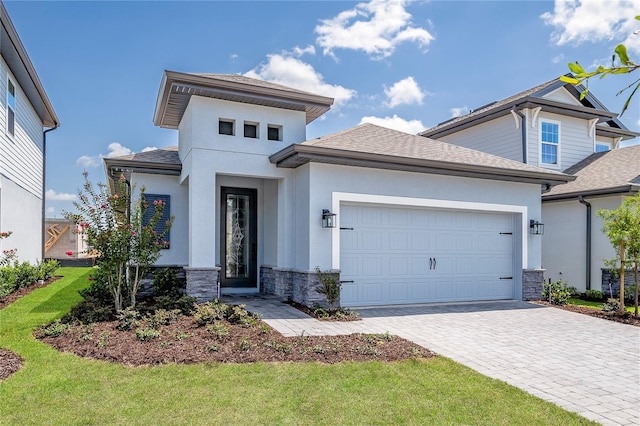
(622, 276)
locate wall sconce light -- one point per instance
(536, 227)
(328, 219)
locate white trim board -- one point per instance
(339, 197)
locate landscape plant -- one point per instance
(115, 228)
(329, 287)
(557, 292)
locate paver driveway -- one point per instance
(587, 365)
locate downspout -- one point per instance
(588, 251)
(523, 130)
(44, 187)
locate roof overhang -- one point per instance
(530, 102)
(601, 192)
(114, 167)
(16, 57)
(298, 154)
(614, 132)
(177, 88)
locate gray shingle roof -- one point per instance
(168, 155)
(238, 78)
(615, 171)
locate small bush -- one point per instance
(54, 329)
(26, 274)
(162, 317)
(89, 312)
(144, 334)
(612, 305)
(184, 303)
(329, 286)
(210, 312)
(167, 283)
(559, 291)
(7, 280)
(128, 318)
(239, 315)
(595, 295)
(219, 330)
(47, 268)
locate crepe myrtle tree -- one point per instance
(622, 227)
(126, 245)
(620, 64)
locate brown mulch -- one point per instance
(341, 315)
(9, 363)
(594, 312)
(10, 298)
(186, 342)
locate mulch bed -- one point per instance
(594, 312)
(186, 342)
(10, 298)
(340, 316)
(9, 363)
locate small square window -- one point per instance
(603, 147)
(225, 127)
(250, 130)
(274, 133)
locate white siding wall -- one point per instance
(21, 213)
(562, 95)
(498, 137)
(323, 180)
(564, 241)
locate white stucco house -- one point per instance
(25, 110)
(550, 127)
(416, 220)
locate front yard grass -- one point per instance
(59, 388)
(592, 304)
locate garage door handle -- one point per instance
(434, 263)
(430, 263)
(506, 278)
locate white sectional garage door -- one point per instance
(399, 255)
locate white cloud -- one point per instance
(396, 123)
(558, 58)
(61, 196)
(578, 21)
(376, 28)
(405, 92)
(299, 51)
(149, 148)
(233, 56)
(286, 70)
(115, 150)
(51, 211)
(458, 111)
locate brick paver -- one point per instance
(584, 364)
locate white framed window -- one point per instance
(274, 133)
(250, 129)
(226, 127)
(11, 108)
(602, 147)
(549, 143)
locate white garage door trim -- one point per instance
(339, 197)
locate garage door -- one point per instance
(399, 255)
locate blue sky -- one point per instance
(408, 65)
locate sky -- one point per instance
(400, 64)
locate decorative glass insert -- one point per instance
(225, 127)
(273, 133)
(11, 107)
(603, 147)
(550, 137)
(250, 130)
(237, 236)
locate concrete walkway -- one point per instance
(584, 364)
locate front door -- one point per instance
(238, 237)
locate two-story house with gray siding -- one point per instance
(550, 127)
(25, 110)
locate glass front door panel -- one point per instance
(237, 236)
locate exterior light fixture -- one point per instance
(536, 228)
(328, 219)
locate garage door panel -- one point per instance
(388, 251)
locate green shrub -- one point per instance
(612, 305)
(89, 312)
(144, 334)
(219, 330)
(329, 286)
(7, 280)
(595, 295)
(183, 303)
(26, 274)
(162, 317)
(128, 318)
(239, 315)
(559, 292)
(210, 312)
(54, 329)
(167, 283)
(47, 268)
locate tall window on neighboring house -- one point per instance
(11, 108)
(603, 147)
(550, 140)
(166, 214)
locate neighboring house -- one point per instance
(64, 240)
(550, 127)
(416, 220)
(24, 111)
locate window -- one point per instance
(274, 133)
(550, 139)
(11, 108)
(225, 127)
(161, 226)
(603, 147)
(250, 130)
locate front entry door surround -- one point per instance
(238, 237)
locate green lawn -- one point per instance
(592, 304)
(55, 388)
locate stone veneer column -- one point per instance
(203, 283)
(532, 282)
